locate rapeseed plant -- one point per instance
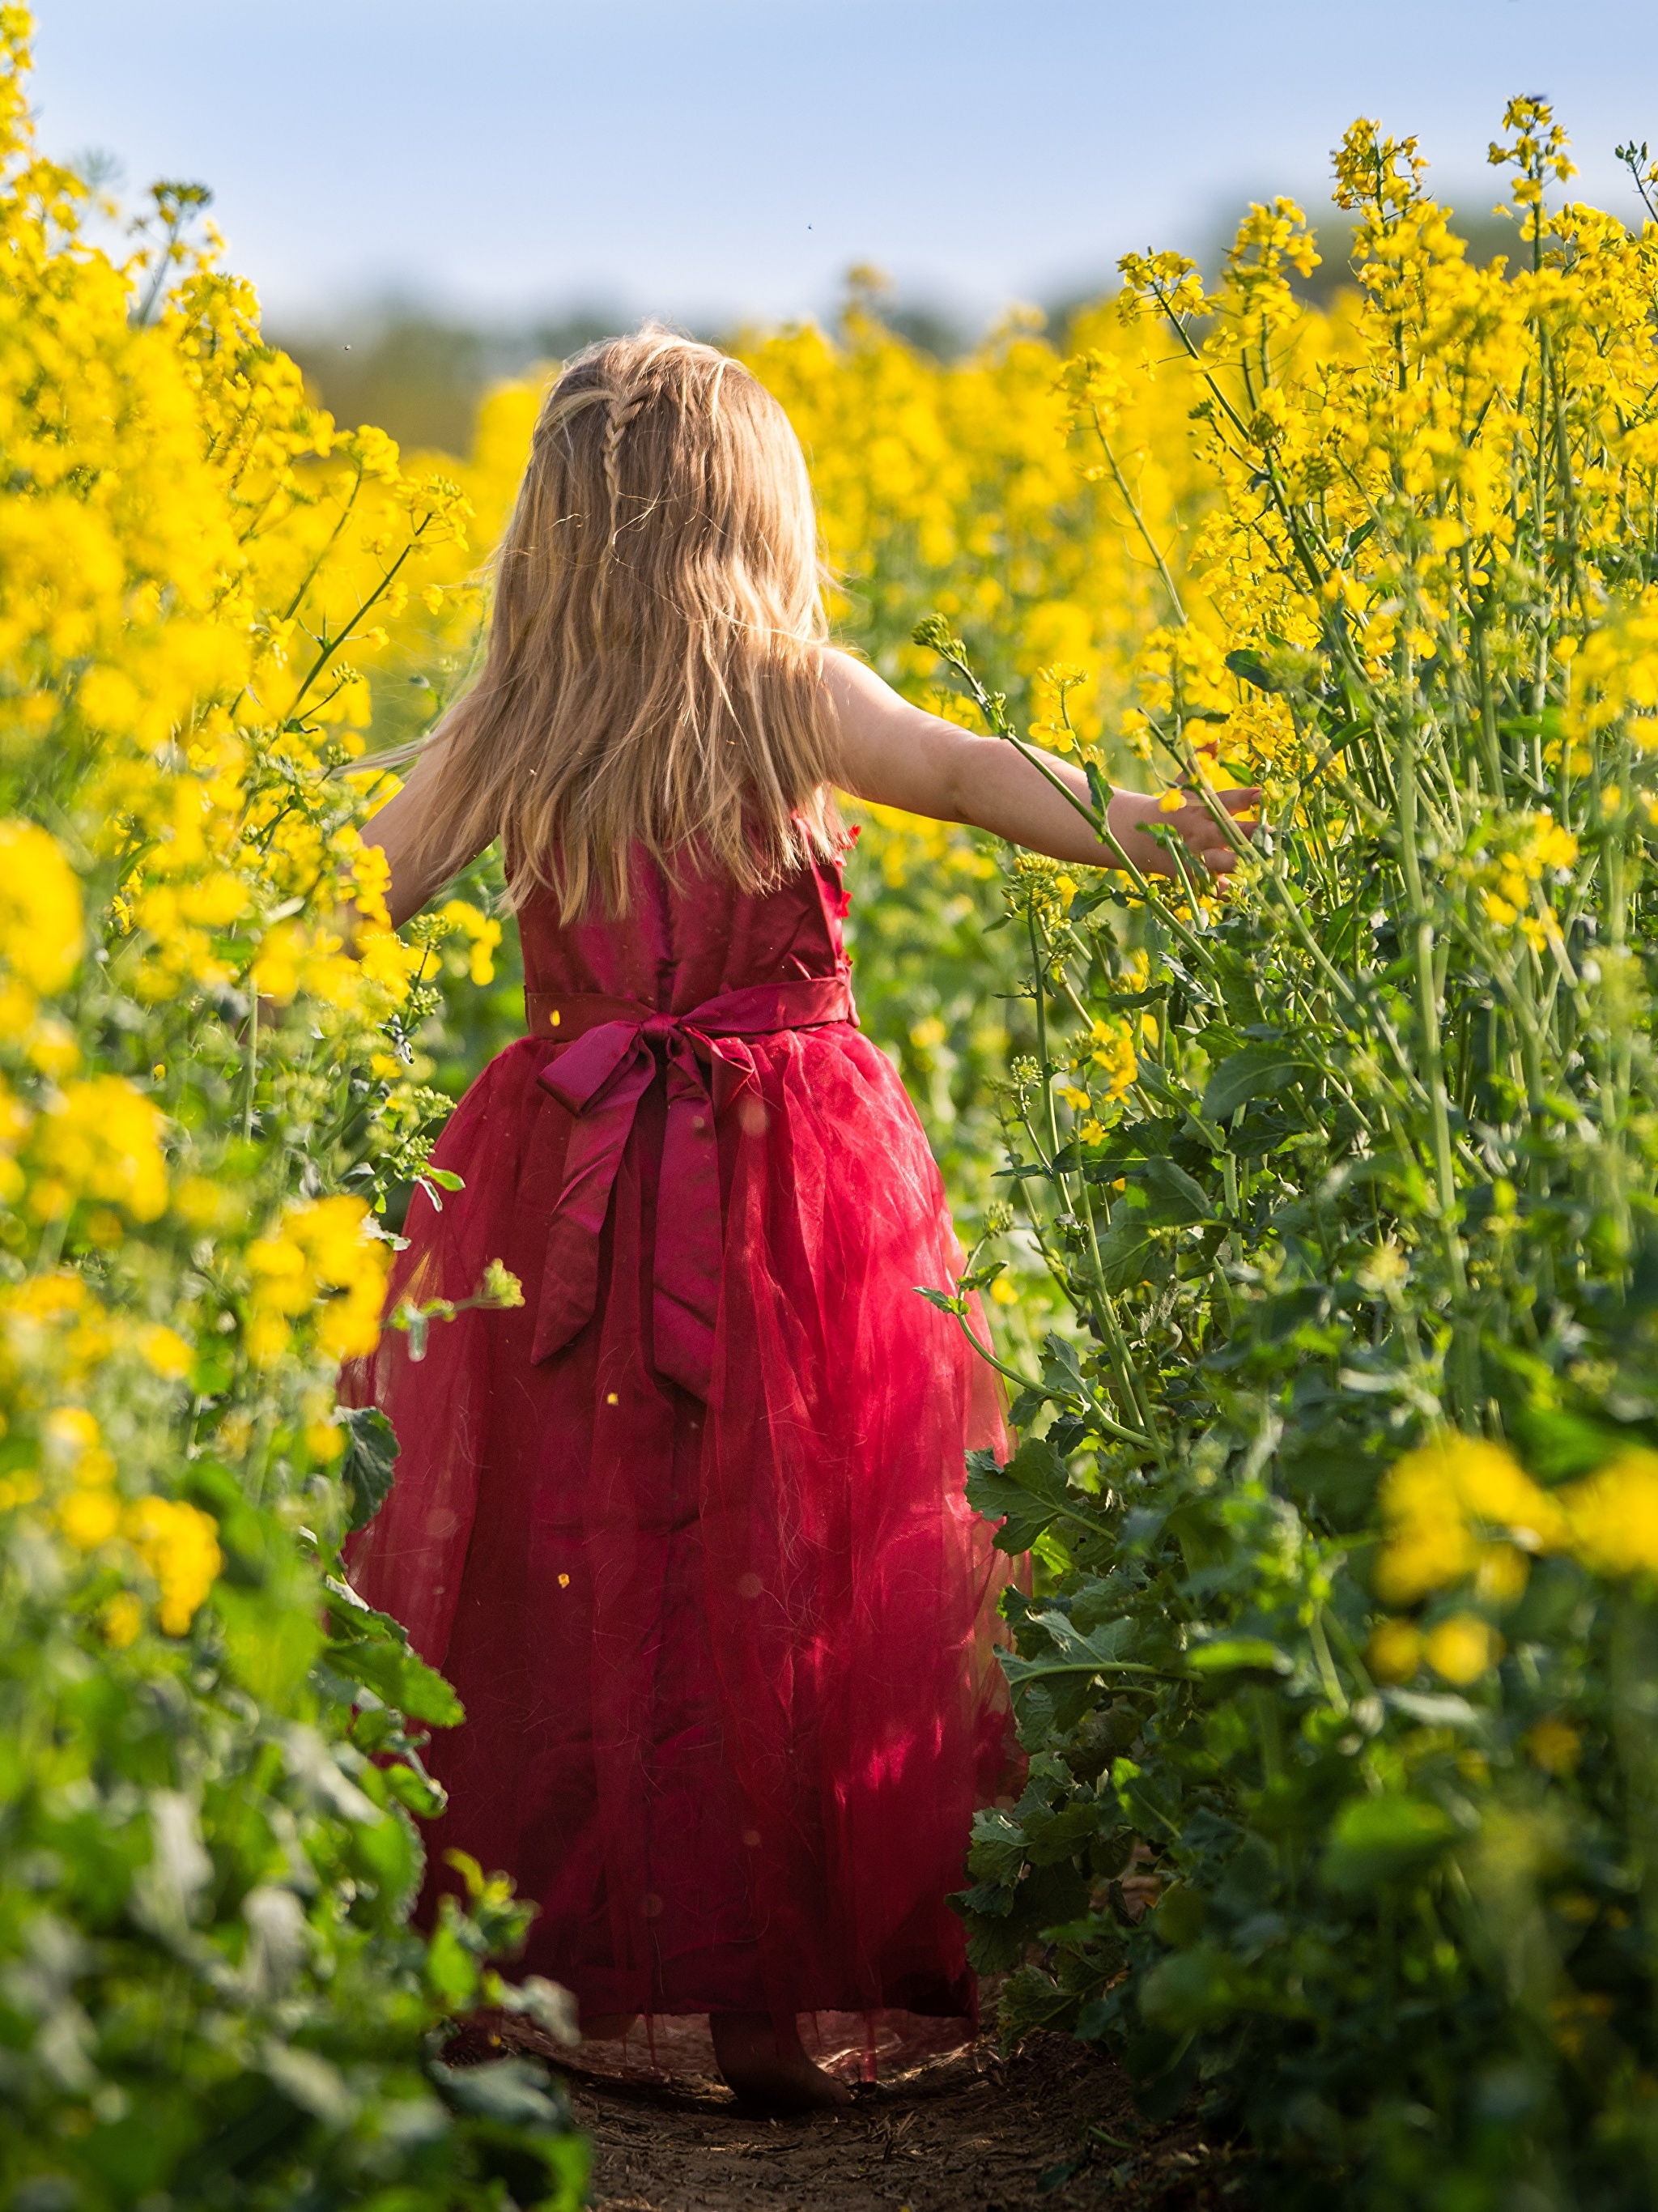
(209, 1751)
(1343, 1489)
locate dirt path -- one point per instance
(1052, 2127)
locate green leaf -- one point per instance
(398, 1676)
(388, 1852)
(1047, 1896)
(1174, 1199)
(1060, 1367)
(1380, 1839)
(1032, 1999)
(452, 1972)
(1058, 1836)
(270, 1643)
(511, 2090)
(1104, 1649)
(1025, 1494)
(1180, 1915)
(1559, 1444)
(418, 1792)
(1029, 1403)
(370, 1454)
(1196, 1989)
(997, 1851)
(1130, 1255)
(1253, 670)
(1258, 1070)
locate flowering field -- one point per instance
(1318, 1224)
(1346, 1483)
(209, 1754)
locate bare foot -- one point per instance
(768, 2066)
(608, 2026)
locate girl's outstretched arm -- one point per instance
(895, 754)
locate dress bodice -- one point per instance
(682, 944)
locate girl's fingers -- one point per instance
(1241, 802)
(1233, 802)
(1201, 834)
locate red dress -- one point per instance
(686, 1531)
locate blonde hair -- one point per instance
(653, 675)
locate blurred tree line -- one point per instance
(419, 372)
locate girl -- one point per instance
(687, 1530)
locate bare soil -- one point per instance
(1053, 2126)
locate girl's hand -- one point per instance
(1133, 816)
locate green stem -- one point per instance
(1012, 1375)
(252, 1066)
(1422, 933)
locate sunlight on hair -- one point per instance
(652, 678)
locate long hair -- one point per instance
(654, 676)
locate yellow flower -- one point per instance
(499, 1286)
(180, 1545)
(53, 1325)
(1501, 1574)
(73, 1440)
(205, 1204)
(1114, 1053)
(1462, 1649)
(322, 1263)
(52, 1047)
(89, 1517)
(40, 917)
(122, 1619)
(460, 918)
(1555, 1745)
(1434, 1498)
(99, 1138)
(1394, 1651)
(165, 1350)
(1613, 1515)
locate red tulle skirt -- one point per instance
(726, 1657)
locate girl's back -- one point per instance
(682, 944)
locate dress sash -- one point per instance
(609, 1053)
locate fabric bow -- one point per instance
(600, 1076)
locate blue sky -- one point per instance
(721, 158)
